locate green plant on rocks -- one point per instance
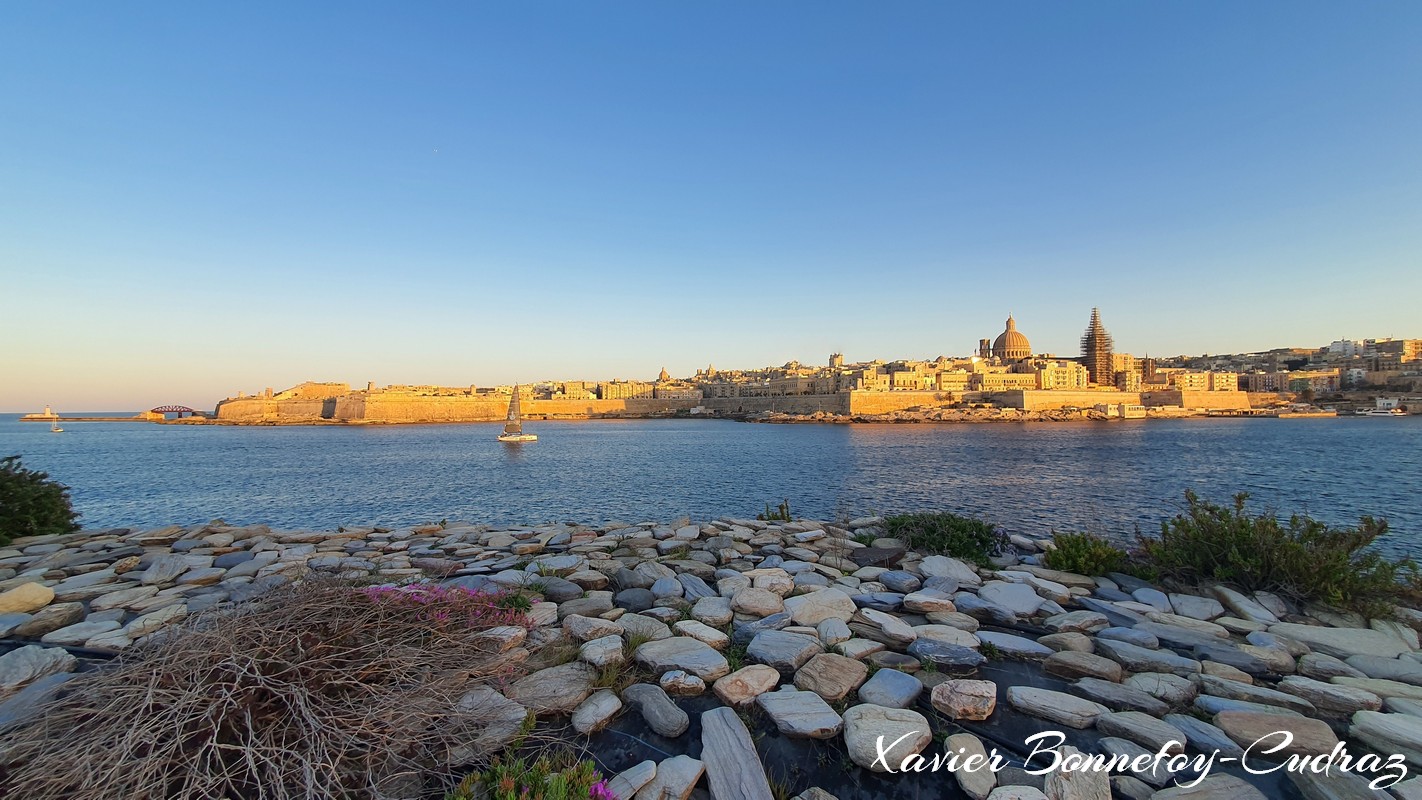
(948, 534)
(543, 779)
(1084, 554)
(1303, 559)
(780, 513)
(990, 651)
(31, 504)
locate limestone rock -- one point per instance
(1331, 698)
(1215, 787)
(603, 652)
(1143, 729)
(964, 699)
(800, 715)
(50, 618)
(1018, 598)
(1065, 709)
(891, 688)
(681, 684)
(733, 769)
(1343, 642)
(80, 632)
(661, 714)
(977, 783)
(757, 602)
(26, 598)
(1077, 785)
(675, 778)
(1203, 736)
(1310, 736)
(1118, 697)
(27, 664)
(831, 676)
(593, 714)
(1071, 665)
(683, 653)
(1390, 733)
(556, 690)
(816, 607)
(624, 785)
(786, 652)
(943, 566)
(740, 688)
(904, 733)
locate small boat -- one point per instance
(513, 429)
(54, 425)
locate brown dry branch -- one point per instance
(321, 690)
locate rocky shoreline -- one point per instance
(755, 648)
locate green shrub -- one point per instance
(1084, 554)
(1304, 560)
(948, 534)
(543, 779)
(31, 504)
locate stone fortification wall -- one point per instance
(888, 402)
(1049, 399)
(394, 407)
(1198, 400)
(265, 409)
(789, 404)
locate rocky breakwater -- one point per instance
(811, 632)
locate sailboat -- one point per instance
(513, 429)
(54, 425)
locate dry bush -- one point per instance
(313, 691)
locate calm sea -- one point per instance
(1030, 478)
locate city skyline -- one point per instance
(199, 201)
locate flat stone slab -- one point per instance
(1138, 659)
(1070, 665)
(1343, 642)
(32, 662)
(897, 733)
(661, 714)
(740, 688)
(1215, 787)
(831, 676)
(801, 715)
(1118, 697)
(1311, 736)
(1016, 647)
(1234, 690)
(1143, 729)
(593, 714)
(1390, 733)
(945, 567)
(1074, 712)
(683, 653)
(1018, 598)
(891, 689)
(1203, 736)
(965, 699)
(733, 769)
(674, 780)
(556, 690)
(786, 652)
(816, 607)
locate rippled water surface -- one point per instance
(1107, 477)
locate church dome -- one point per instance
(1011, 345)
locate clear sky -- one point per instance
(201, 198)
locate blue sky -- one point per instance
(197, 199)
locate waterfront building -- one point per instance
(1096, 353)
